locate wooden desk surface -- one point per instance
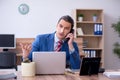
(67, 76)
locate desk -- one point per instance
(67, 76)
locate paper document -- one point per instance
(79, 31)
(73, 71)
(112, 74)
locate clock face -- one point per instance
(23, 9)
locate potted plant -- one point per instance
(116, 49)
(80, 17)
(27, 68)
(95, 17)
(116, 27)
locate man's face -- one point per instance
(62, 29)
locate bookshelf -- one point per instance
(92, 32)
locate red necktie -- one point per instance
(59, 45)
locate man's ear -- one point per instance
(72, 31)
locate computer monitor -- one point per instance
(7, 41)
(90, 66)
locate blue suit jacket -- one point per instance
(45, 42)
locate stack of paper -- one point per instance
(8, 76)
(112, 74)
(73, 71)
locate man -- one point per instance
(48, 42)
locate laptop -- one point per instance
(50, 62)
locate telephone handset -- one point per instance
(67, 39)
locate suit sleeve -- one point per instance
(35, 46)
(75, 58)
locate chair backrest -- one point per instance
(8, 60)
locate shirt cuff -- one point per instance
(72, 51)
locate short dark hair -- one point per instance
(68, 19)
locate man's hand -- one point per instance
(71, 36)
(25, 49)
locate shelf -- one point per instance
(90, 36)
(91, 31)
(89, 22)
(92, 49)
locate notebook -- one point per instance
(50, 62)
(112, 74)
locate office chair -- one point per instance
(8, 61)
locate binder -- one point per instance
(98, 29)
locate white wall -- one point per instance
(44, 14)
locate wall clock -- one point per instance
(23, 9)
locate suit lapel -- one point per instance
(50, 42)
(64, 47)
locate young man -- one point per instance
(48, 42)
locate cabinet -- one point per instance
(91, 31)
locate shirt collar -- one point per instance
(56, 39)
